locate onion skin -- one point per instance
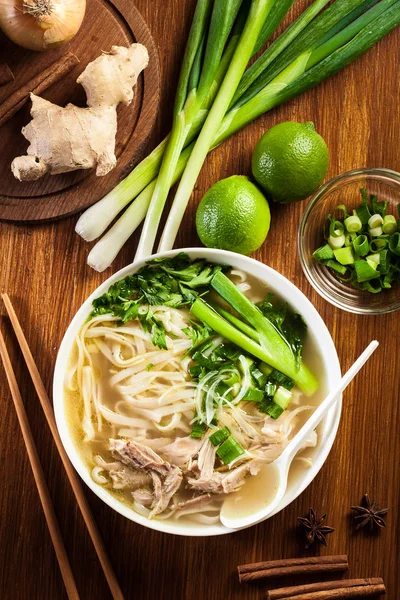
(41, 24)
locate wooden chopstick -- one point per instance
(71, 473)
(38, 474)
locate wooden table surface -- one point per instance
(44, 270)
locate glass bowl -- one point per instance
(345, 189)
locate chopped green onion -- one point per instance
(270, 389)
(219, 436)
(361, 245)
(323, 253)
(333, 264)
(384, 261)
(259, 377)
(281, 379)
(353, 224)
(375, 258)
(342, 208)
(389, 224)
(378, 207)
(271, 409)
(394, 243)
(379, 243)
(344, 255)
(230, 450)
(363, 210)
(282, 397)
(198, 429)
(371, 263)
(374, 286)
(375, 231)
(387, 280)
(253, 395)
(375, 221)
(234, 378)
(336, 241)
(364, 271)
(336, 229)
(349, 238)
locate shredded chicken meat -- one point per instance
(166, 478)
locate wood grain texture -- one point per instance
(106, 23)
(43, 269)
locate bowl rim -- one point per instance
(276, 281)
(372, 171)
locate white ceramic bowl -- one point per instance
(316, 328)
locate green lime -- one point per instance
(233, 215)
(290, 161)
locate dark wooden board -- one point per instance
(44, 270)
(106, 23)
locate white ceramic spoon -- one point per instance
(267, 489)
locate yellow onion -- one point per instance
(41, 24)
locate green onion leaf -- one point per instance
(259, 378)
(333, 264)
(219, 436)
(323, 253)
(364, 271)
(363, 210)
(198, 429)
(230, 450)
(378, 243)
(336, 229)
(373, 286)
(378, 207)
(384, 261)
(344, 255)
(361, 245)
(271, 409)
(279, 378)
(253, 395)
(394, 243)
(374, 258)
(349, 238)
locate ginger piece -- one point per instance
(64, 139)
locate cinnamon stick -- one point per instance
(349, 588)
(6, 75)
(37, 85)
(293, 566)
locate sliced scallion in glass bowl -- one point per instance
(349, 244)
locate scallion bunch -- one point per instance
(217, 96)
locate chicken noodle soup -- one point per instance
(185, 380)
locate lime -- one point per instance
(290, 161)
(233, 215)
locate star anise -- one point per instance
(369, 513)
(314, 528)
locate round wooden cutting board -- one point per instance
(106, 23)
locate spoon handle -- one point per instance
(293, 447)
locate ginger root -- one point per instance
(66, 139)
